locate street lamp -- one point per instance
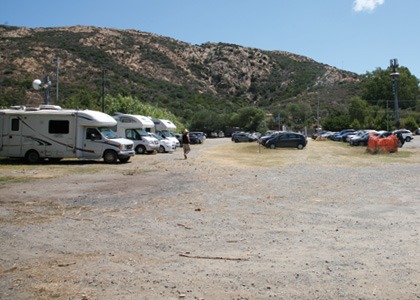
(394, 76)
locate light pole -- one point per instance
(394, 76)
(55, 61)
(45, 85)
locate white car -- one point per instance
(165, 145)
(169, 136)
(406, 134)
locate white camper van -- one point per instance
(164, 128)
(136, 128)
(55, 133)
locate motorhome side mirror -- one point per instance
(94, 137)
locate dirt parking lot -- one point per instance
(233, 221)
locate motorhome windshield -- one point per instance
(167, 134)
(157, 137)
(142, 132)
(108, 132)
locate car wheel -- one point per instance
(300, 146)
(140, 149)
(161, 149)
(110, 157)
(272, 146)
(32, 157)
(236, 141)
(407, 139)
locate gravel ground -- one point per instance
(212, 227)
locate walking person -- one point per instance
(186, 143)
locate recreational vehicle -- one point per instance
(52, 133)
(136, 128)
(164, 128)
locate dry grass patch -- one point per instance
(325, 153)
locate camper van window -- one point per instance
(93, 134)
(15, 124)
(108, 132)
(126, 120)
(58, 126)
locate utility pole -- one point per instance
(47, 85)
(55, 61)
(103, 90)
(394, 76)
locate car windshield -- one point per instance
(108, 132)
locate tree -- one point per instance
(250, 118)
(410, 123)
(207, 121)
(377, 88)
(358, 110)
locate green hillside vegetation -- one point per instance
(207, 87)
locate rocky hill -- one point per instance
(161, 70)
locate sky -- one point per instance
(354, 35)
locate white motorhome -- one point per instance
(54, 133)
(136, 128)
(164, 128)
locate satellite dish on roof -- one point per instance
(37, 84)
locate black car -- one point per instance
(360, 140)
(198, 137)
(244, 137)
(262, 140)
(289, 139)
(194, 138)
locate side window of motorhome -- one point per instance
(15, 124)
(92, 134)
(58, 126)
(132, 134)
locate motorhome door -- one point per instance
(12, 136)
(92, 144)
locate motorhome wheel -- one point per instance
(140, 149)
(110, 157)
(32, 157)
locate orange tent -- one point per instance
(389, 144)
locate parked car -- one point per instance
(165, 145)
(406, 134)
(179, 138)
(287, 139)
(197, 137)
(262, 140)
(169, 136)
(360, 139)
(194, 139)
(244, 137)
(341, 136)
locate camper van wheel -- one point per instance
(110, 157)
(140, 149)
(32, 157)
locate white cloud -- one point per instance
(366, 5)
